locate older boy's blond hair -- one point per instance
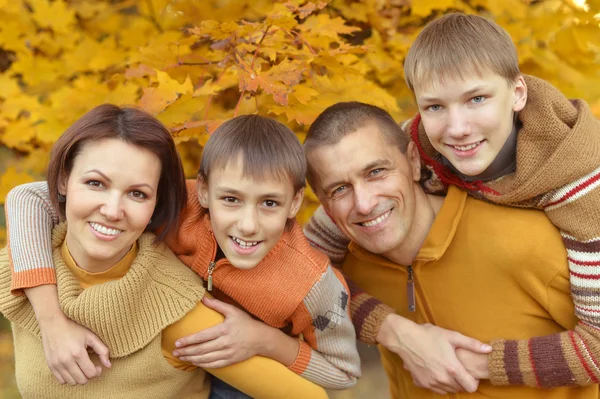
(457, 46)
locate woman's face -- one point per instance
(111, 195)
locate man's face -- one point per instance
(468, 121)
(368, 187)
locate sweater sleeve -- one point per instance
(30, 218)
(571, 357)
(254, 376)
(367, 312)
(328, 355)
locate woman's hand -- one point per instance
(65, 347)
(238, 338)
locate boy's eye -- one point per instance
(434, 107)
(271, 203)
(477, 99)
(230, 199)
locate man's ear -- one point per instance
(520, 94)
(202, 189)
(296, 203)
(414, 160)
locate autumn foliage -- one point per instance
(194, 64)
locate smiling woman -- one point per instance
(112, 176)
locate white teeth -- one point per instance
(105, 230)
(244, 244)
(466, 147)
(380, 219)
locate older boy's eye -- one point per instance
(477, 99)
(434, 107)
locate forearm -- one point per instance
(279, 346)
(45, 304)
(30, 218)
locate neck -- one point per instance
(426, 208)
(88, 263)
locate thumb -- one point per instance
(101, 350)
(224, 308)
(460, 341)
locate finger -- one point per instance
(58, 376)
(466, 380)
(201, 336)
(66, 376)
(87, 367)
(216, 365)
(101, 350)
(224, 308)
(208, 358)
(74, 372)
(202, 349)
(461, 341)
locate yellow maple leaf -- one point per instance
(423, 8)
(10, 179)
(156, 99)
(9, 85)
(56, 15)
(18, 133)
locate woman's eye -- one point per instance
(138, 194)
(94, 183)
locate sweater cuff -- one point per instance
(302, 358)
(510, 364)
(368, 314)
(32, 278)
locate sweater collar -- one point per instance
(439, 237)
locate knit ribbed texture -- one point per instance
(128, 315)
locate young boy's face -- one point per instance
(247, 216)
(468, 121)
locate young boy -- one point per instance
(513, 140)
(239, 234)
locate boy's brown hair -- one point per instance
(267, 148)
(457, 46)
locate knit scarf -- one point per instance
(559, 142)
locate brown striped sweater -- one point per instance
(558, 170)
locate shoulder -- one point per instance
(295, 247)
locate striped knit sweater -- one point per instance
(293, 287)
(558, 170)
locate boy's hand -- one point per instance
(238, 338)
(65, 347)
(428, 353)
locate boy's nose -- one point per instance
(458, 125)
(248, 224)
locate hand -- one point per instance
(428, 353)
(238, 338)
(65, 347)
(475, 363)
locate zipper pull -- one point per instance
(410, 291)
(211, 267)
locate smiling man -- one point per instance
(493, 273)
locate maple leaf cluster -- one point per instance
(194, 64)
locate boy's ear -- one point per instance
(296, 202)
(520, 94)
(202, 188)
(414, 159)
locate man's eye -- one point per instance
(376, 171)
(338, 190)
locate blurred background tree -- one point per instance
(194, 64)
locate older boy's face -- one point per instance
(247, 216)
(468, 121)
(368, 187)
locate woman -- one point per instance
(108, 177)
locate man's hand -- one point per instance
(475, 363)
(65, 347)
(428, 353)
(238, 338)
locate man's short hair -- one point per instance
(457, 46)
(268, 149)
(344, 118)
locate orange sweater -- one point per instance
(294, 286)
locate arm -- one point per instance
(324, 235)
(254, 377)
(30, 218)
(328, 354)
(238, 338)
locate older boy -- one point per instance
(513, 140)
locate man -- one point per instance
(489, 272)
